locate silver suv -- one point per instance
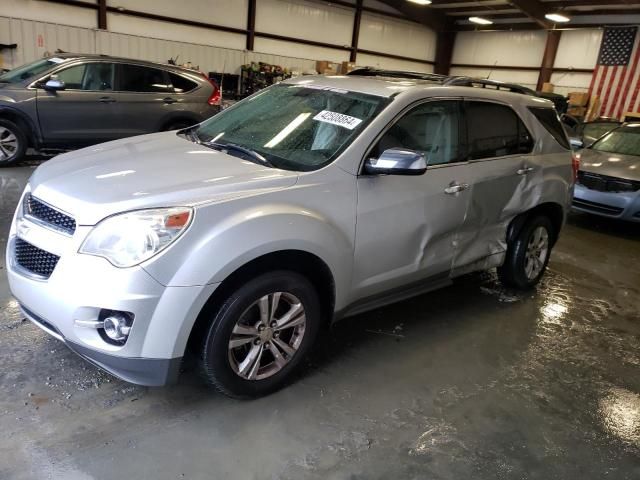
(310, 201)
(68, 100)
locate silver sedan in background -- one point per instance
(609, 178)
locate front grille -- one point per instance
(49, 215)
(597, 207)
(603, 183)
(34, 259)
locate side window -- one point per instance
(548, 117)
(88, 76)
(431, 128)
(495, 131)
(135, 78)
(181, 84)
(72, 76)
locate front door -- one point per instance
(407, 225)
(85, 111)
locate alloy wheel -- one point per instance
(267, 336)
(8, 143)
(537, 251)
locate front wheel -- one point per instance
(260, 335)
(13, 143)
(528, 254)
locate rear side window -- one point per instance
(181, 84)
(134, 78)
(548, 117)
(495, 131)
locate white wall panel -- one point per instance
(521, 77)
(399, 37)
(309, 20)
(578, 48)
(365, 60)
(520, 48)
(570, 82)
(290, 49)
(230, 13)
(152, 28)
(49, 12)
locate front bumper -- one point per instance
(620, 205)
(81, 286)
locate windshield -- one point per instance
(624, 140)
(294, 127)
(596, 130)
(29, 70)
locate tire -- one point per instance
(528, 254)
(13, 143)
(229, 368)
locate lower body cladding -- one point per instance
(620, 205)
(71, 304)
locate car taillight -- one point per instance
(575, 164)
(216, 95)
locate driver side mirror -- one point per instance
(576, 143)
(397, 161)
(54, 84)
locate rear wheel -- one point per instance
(261, 334)
(178, 125)
(13, 143)
(528, 254)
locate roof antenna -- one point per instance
(491, 71)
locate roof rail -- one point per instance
(377, 72)
(483, 83)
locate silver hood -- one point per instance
(156, 170)
(610, 164)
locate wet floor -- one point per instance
(471, 382)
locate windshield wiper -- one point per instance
(257, 158)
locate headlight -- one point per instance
(131, 238)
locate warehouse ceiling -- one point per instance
(519, 14)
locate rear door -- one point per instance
(501, 167)
(145, 98)
(85, 111)
(407, 225)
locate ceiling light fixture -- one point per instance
(420, 2)
(480, 20)
(557, 17)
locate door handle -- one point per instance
(455, 188)
(169, 100)
(107, 100)
(524, 170)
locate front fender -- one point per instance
(212, 249)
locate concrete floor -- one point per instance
(470, 382)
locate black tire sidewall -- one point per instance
(518, 273)
(22, 142)
(215, 361)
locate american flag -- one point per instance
(616, 79)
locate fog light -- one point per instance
(116, 327)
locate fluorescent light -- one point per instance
(557, 17)
(480, 20)
(420, 2)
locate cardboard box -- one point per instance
(329, 71)
(577, 111)
(593, 111)
(347, 67)
(323, 65)
(579, 99)
(547, 87)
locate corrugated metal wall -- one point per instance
(35, 38)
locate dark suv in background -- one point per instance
(69, 101)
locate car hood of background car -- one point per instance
(610, 164)
(156, 170)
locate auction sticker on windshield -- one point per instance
(339, 119)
